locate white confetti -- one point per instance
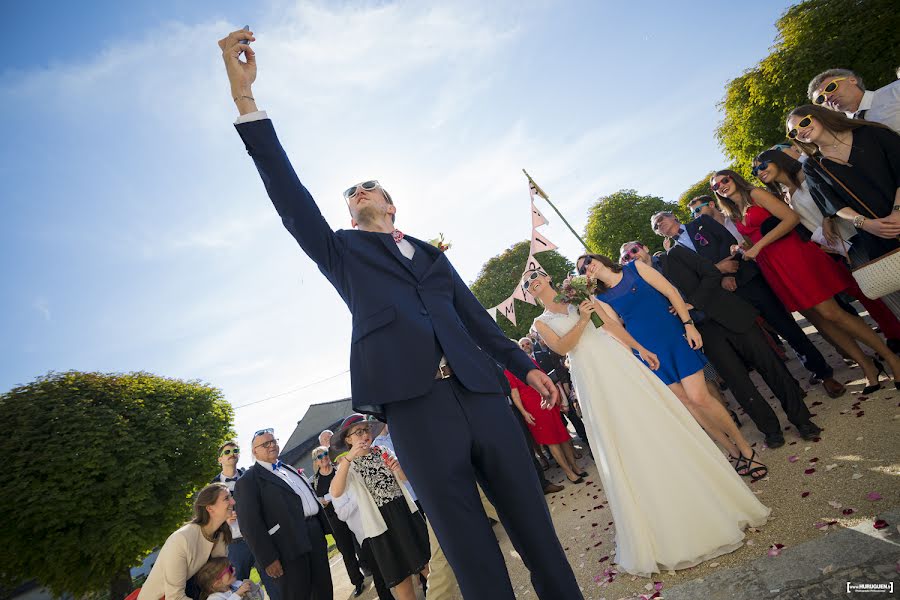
(830, 467)
(827, 570)
(834, 504)
(859, 439)
(713, 565)
(857, 476)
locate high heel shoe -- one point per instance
(579, 480)
(877, 385)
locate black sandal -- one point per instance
(746, 464)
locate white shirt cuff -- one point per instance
(254, 116)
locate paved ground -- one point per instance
(826, 497)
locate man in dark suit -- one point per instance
(283, 523)
(422, 357)
(712, 241)
(732, 340)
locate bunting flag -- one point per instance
(507, 308)
(539, 243)
(533, 264)
(524, 296)
(537, 217)
(493, 312)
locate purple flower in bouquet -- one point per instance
(575, 290)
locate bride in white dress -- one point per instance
(675, 500)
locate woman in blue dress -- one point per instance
(641, 297)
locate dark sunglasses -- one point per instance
(696, 210)
(229, 452)
(760, 167)
(321, 456)
(366, 185)
(716, 185)
(804, 122)
(532, 277)
(629, 255)
(583, 268)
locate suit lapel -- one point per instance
(391, 245)
(435, 254)
(271, 476)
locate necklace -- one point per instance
(208, 539)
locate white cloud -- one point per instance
(42, 305)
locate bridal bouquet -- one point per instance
(575, 290)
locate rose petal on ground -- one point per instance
(880, 524)
(834, 504)
(804, 494)
(714, 565)
(809, 471)
(856, 476)
(773, 551)
(821, 525)
(873, 496)
(827, 570)
(830, 467)
(859, 439)
(848, 511)
(793, 458)
(814, 460)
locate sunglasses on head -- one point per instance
(230, 451)
(696, 210)
(829, 89)
(365, 185)
(630, 254)
(534, 275)
(717, 184)
(762, 166)
(804, 122)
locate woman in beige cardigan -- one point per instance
(189, 547)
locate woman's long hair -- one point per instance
(606, 262)
(786, 164)
(207, 497)
(832, 121)
(729, 206)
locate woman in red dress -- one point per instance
(546, 426)
(799, 272)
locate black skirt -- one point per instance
(403, 549)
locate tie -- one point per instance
(227, 479)
(397, 235)
(277, 464)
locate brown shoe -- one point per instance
(552, 488)
(833, 387)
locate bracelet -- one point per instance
(897, 208)
(858, 221)
(236, 98)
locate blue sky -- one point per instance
(137, 235)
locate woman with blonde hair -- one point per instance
(190, 547)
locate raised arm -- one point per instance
(295, 205)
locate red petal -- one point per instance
(880, 524)
(873, 496)
(804, 494)
(814, 460)
(809, 471)
(848, 511)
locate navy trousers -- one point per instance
(448, 440)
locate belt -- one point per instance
(444, 372)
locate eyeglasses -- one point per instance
(321, 456)
(829, 89)
(760, 167)
(361, 431)
(697, 209)
(534, 275)
(229, 451)
(629, 255)
(804, 122)
(229, 569)
(366, 185)
(717, 184)
(585, 262)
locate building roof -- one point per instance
(318, 417)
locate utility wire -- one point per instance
(296, 389)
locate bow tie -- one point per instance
(277, 464)
(227, 479)
(397, 235)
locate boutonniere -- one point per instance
(440, 243)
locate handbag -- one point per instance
(880, 276)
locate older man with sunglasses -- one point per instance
(422, 357)
(283, 523)
(843, 90)
(238, 551)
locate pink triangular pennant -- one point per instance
(533, 264)
(521, 294)
(539, 243)
(537, 217)
(507, 308)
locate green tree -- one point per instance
(500, 275)
(815, 35)
(625, 216)
(701, 188)
(100, 469)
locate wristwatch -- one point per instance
(688, 322)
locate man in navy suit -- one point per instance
(422, 356)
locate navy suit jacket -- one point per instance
(719, 246)
(397, 315)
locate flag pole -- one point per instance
(542, 194)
